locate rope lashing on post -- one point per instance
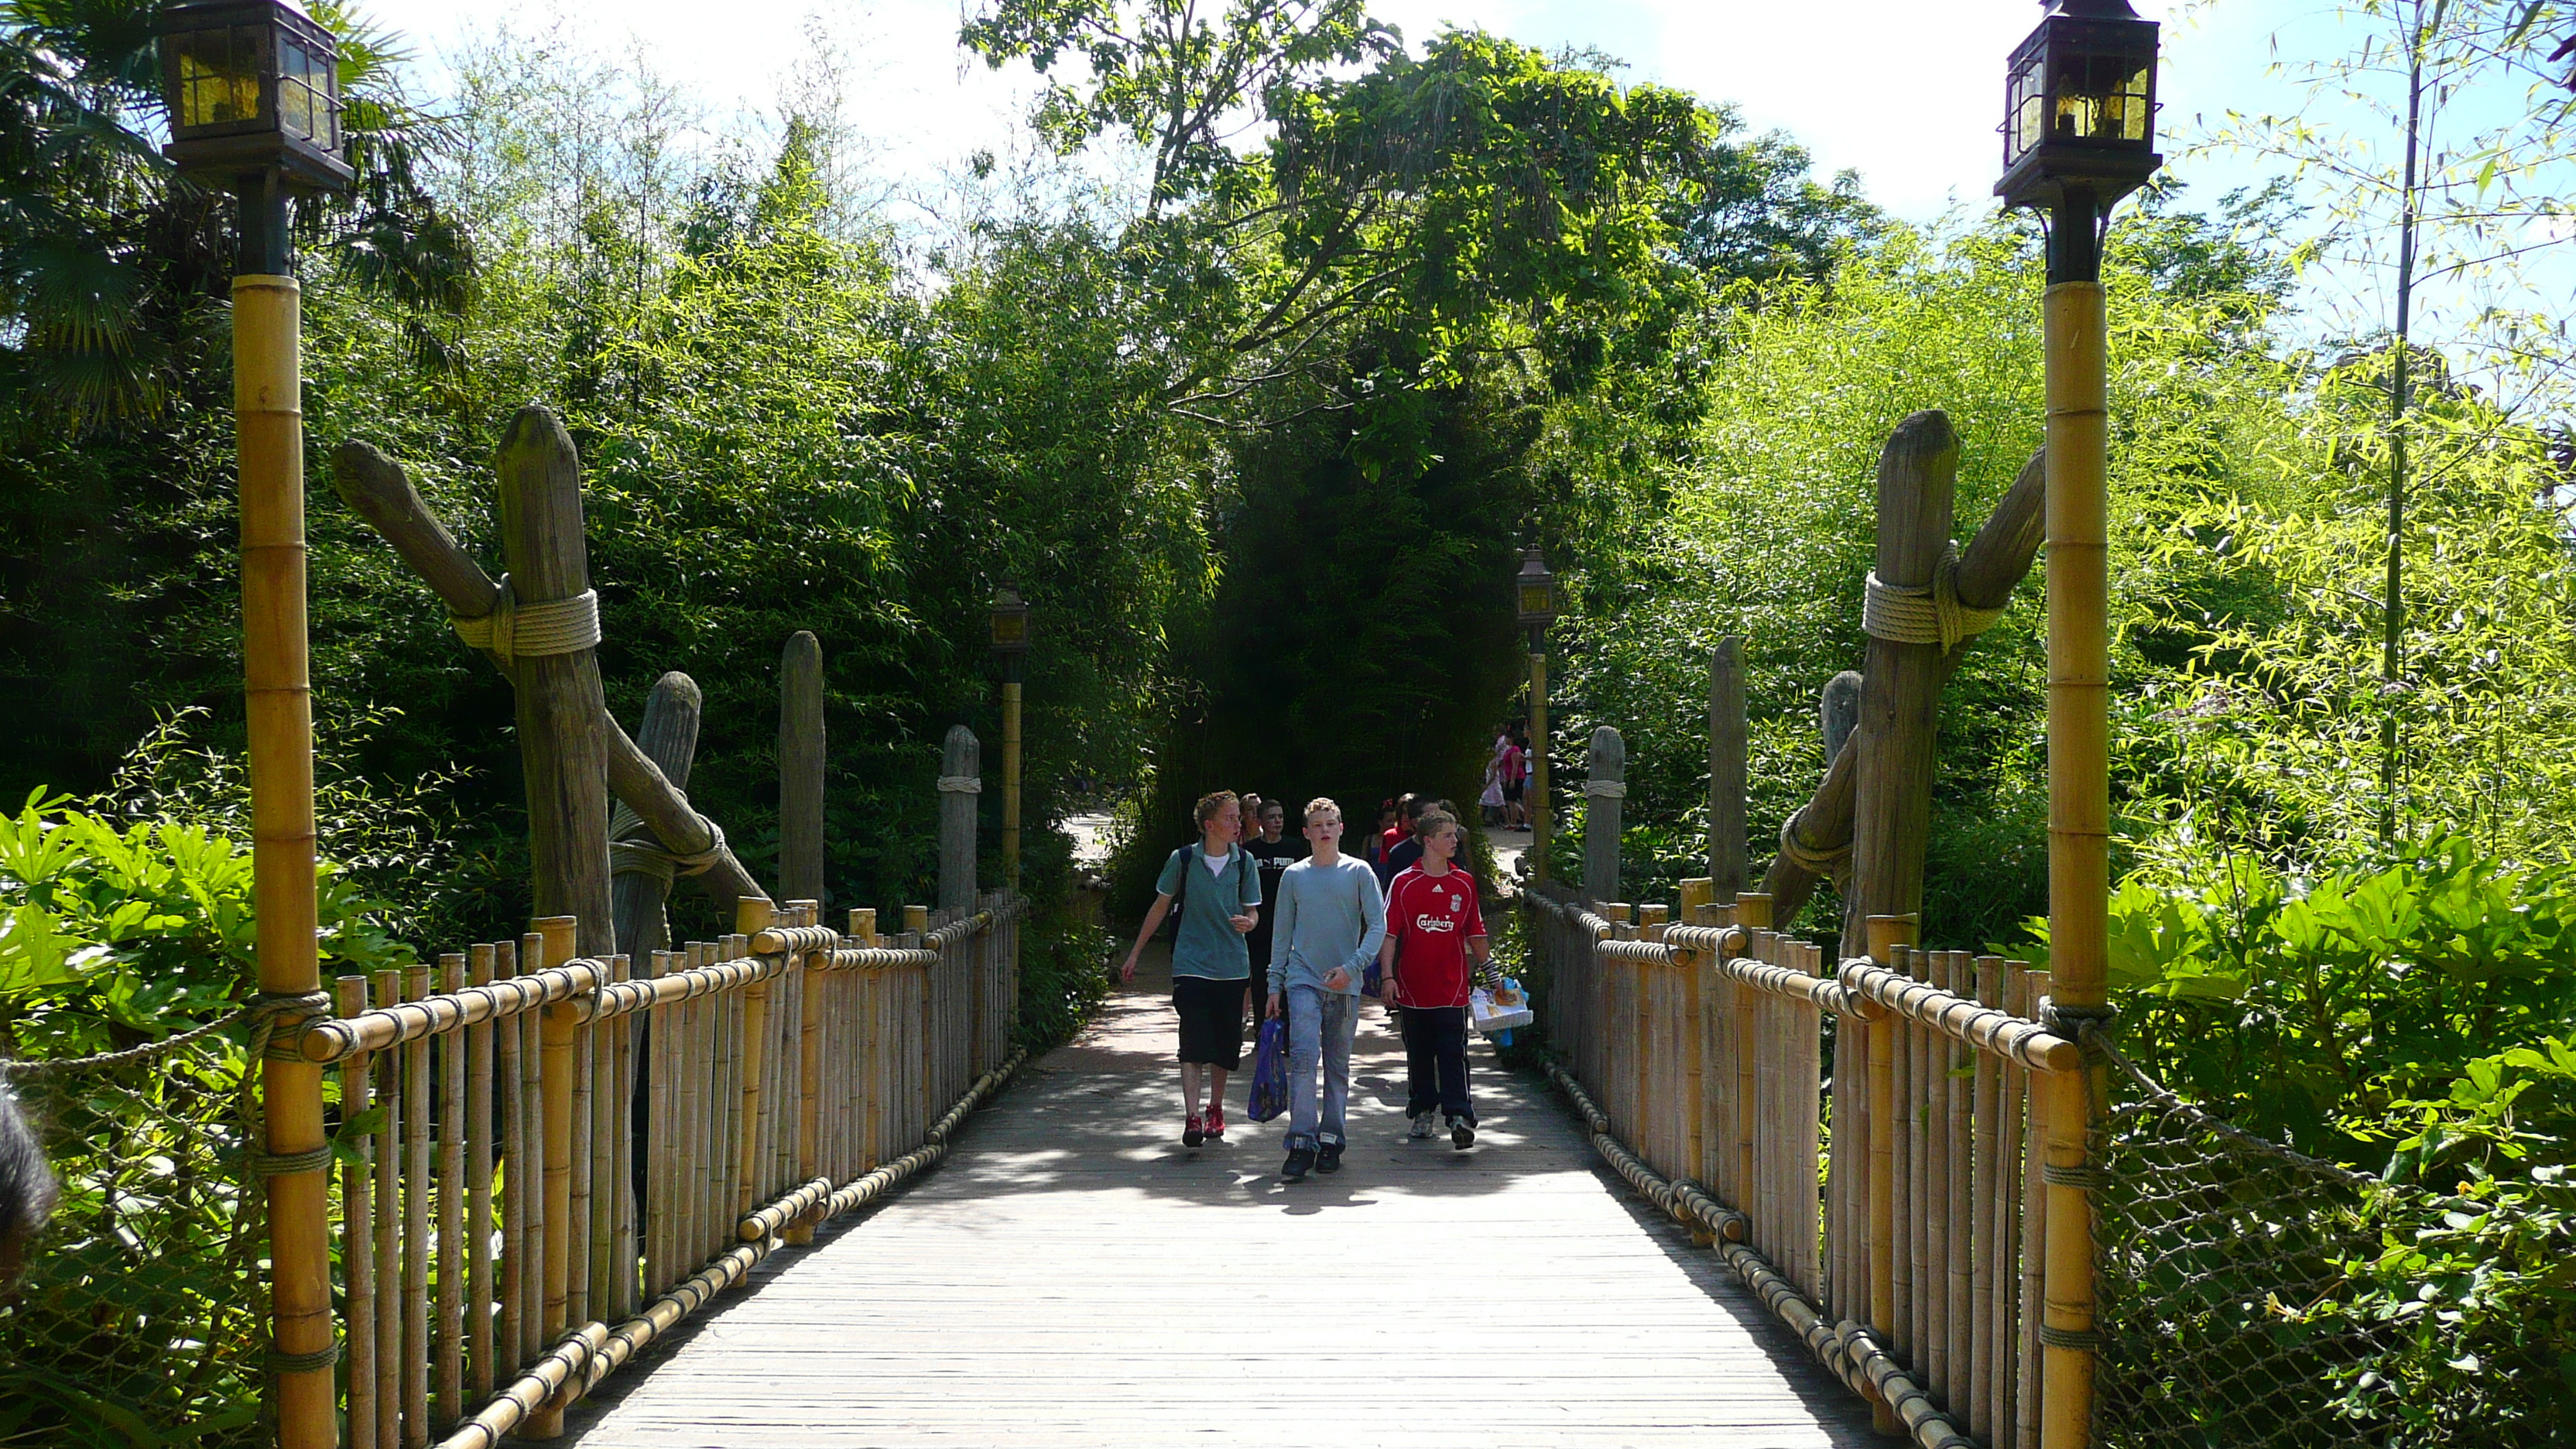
(647, 856)
(1924, 613)
(526, 631)
(1823, 864)
(1606, 789)
(2089, 1026)
(961, 784)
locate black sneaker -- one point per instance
(1462, 1133)
(1194, 1132)
(1330, 1158)
(1301, 1160)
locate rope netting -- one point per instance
(140, 1318)
(2247, 1298)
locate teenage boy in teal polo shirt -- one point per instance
(1220, 900)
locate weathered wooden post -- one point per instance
(1534, 594)
(800, 875)
(800, 768)
(1010, 624)
(961, 779)
(1605, 785)
(640, 871)
(1816, 842)
(1900, 693)
(1726, 730)
(547, 624)
(1838, 710)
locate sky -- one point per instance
(1904, 92)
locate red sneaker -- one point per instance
(1216, 1121)
(1193, 1132)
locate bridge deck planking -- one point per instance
(1073, 1276)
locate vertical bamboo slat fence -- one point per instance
(503, 1250)
(1890, 1211)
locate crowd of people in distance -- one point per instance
(1301, 931)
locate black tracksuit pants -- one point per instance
(1435, 1060)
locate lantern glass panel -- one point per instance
(219, 76)
(2099, 99)
(1538, 599)
(304, 87)
(2025, 105)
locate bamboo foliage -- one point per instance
(1741, 1084)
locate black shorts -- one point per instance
(1512, 793)
(1211, 1020)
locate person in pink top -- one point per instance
(1434, 954)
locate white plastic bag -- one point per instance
(1491, 1017)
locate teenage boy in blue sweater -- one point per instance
(1330, 921)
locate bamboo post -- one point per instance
(1887, 938)
(1959, 1250)
(1726, 747)
(357, 1217)
(1753, 912)
(2030, 1392)
(559, 1039)
(415, 1228)
(961, 779)
(478, 1186)
(452, 1256)
(751, 917)
(640, 884)
(1936, 1228)
(2079, 820)
(508, 1048)
(1987, 1147)
(822, 990)
(1011, 777)
(268, 413)
(388, 1235)
(532, 1120)
(1604, 786)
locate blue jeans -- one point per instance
(1320, 1024)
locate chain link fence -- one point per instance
(140, 1319)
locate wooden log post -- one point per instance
(1819, 835)
(961, 780)
(374, 486)
(639, 886)
(1605, 785)
(1726, 735)
(1900, 695)
(800, 768)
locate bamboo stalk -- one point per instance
(478, 1187)
(1904, 1335)
(1932, 1233)
(657, 1140)
(1959, 1082)
(532, 1120)
(691, 1066)
(1887, 935)
(2035, 1228)
(585, 1174)
(507, 1052)
(415, 1239)
(451, 1205)
(559, 1042)
(1984, 1108)
(388, 1196)
(277, 693)
(358, 1225)
(628, 1247)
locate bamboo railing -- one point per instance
(1891, 1210)
(512, 1230)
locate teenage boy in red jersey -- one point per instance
(1434, 927)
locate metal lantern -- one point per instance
(2079, 106)
(253, 88)
(1010, 624)
(1536, 591)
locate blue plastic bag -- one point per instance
(1270, 1071)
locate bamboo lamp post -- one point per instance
(1010, 620)
(1534, 591)
(253, 88)
(2079, 134)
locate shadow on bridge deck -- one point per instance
(1074, 1276)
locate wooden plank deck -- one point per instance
(1073, 1276)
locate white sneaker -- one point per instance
(1422, 1125)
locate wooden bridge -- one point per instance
(587, 1183)
(1073, 1276)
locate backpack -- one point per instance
(1172, 923)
